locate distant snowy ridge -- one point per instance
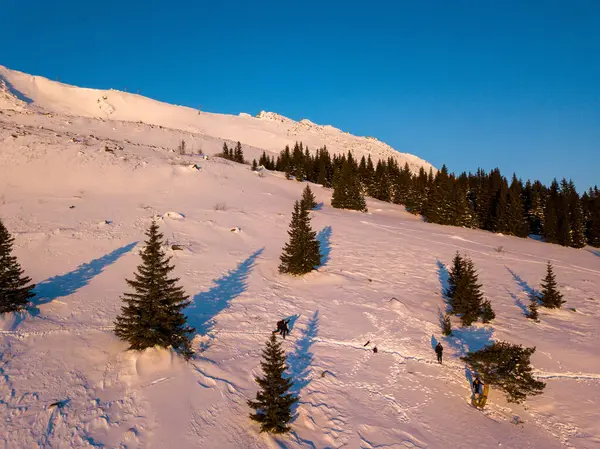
(267, 130)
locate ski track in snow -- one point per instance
(380, 282)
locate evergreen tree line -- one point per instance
(233, 154)
(482, 200)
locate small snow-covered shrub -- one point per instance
(220, 206)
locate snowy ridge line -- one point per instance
(395, 230)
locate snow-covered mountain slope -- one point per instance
(268, 131)
(78, 194)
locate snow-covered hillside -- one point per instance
(78, 192)
(269, 131)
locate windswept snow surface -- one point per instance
(269, 131)
(78, 194)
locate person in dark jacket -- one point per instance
(438, 350)
(477, 387)
(282, 328)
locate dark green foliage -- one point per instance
(234, 154)
(238, 154)
(464, 293)
(302, 253)
(346, 190)
(152, 315)
(507, 367)
(550, 296)
(445, 324)
(254, 165)
(487, 313)
(273, 403)
(15, 289)
(454, 275)
(532, 312)
(308, 199)
(482, 200)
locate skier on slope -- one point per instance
(282, 328)
(438, 350)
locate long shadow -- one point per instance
(324, 238)
(67, 284)
(301, 360)
(444, 277)
(519, 302)
(469, 339)
(15, 92)
(434, 342)
(205, 306)
(292, 321)
(524, 285)
(595, 253)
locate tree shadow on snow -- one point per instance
(434, 342)
(300, 361)
(444, 277)
(469, 339)
(205, 306)
(292, 321)
(595, 253)
(67, 284)
(519, 302)
(324, 238)
(524, 285)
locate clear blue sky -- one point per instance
(514, 84)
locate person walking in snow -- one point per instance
(438, 350)
(282, 328)
(477, 387)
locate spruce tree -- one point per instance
(550, 297)
(302, 253)
(467, 300)
(508, 367)
(454, 276)
(487, 313)
(273, 403)
(254, 165)
(446, 324)
(308, 199)
(346, 190)
(15, 289)
(152, 315)
(532, 312)
(225, 152)
(238, 154)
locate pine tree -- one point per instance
(273, 403)
(532, 313)
(302, 253)
(508, 367)
(445, 324)
(254, 165)
(15, 289)
(487, 313)
(454, 276)
(238, 154)
(308, 201)
(152, 315)
(346, 190)
(467, 300)
(550, 297)
(225, 152)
